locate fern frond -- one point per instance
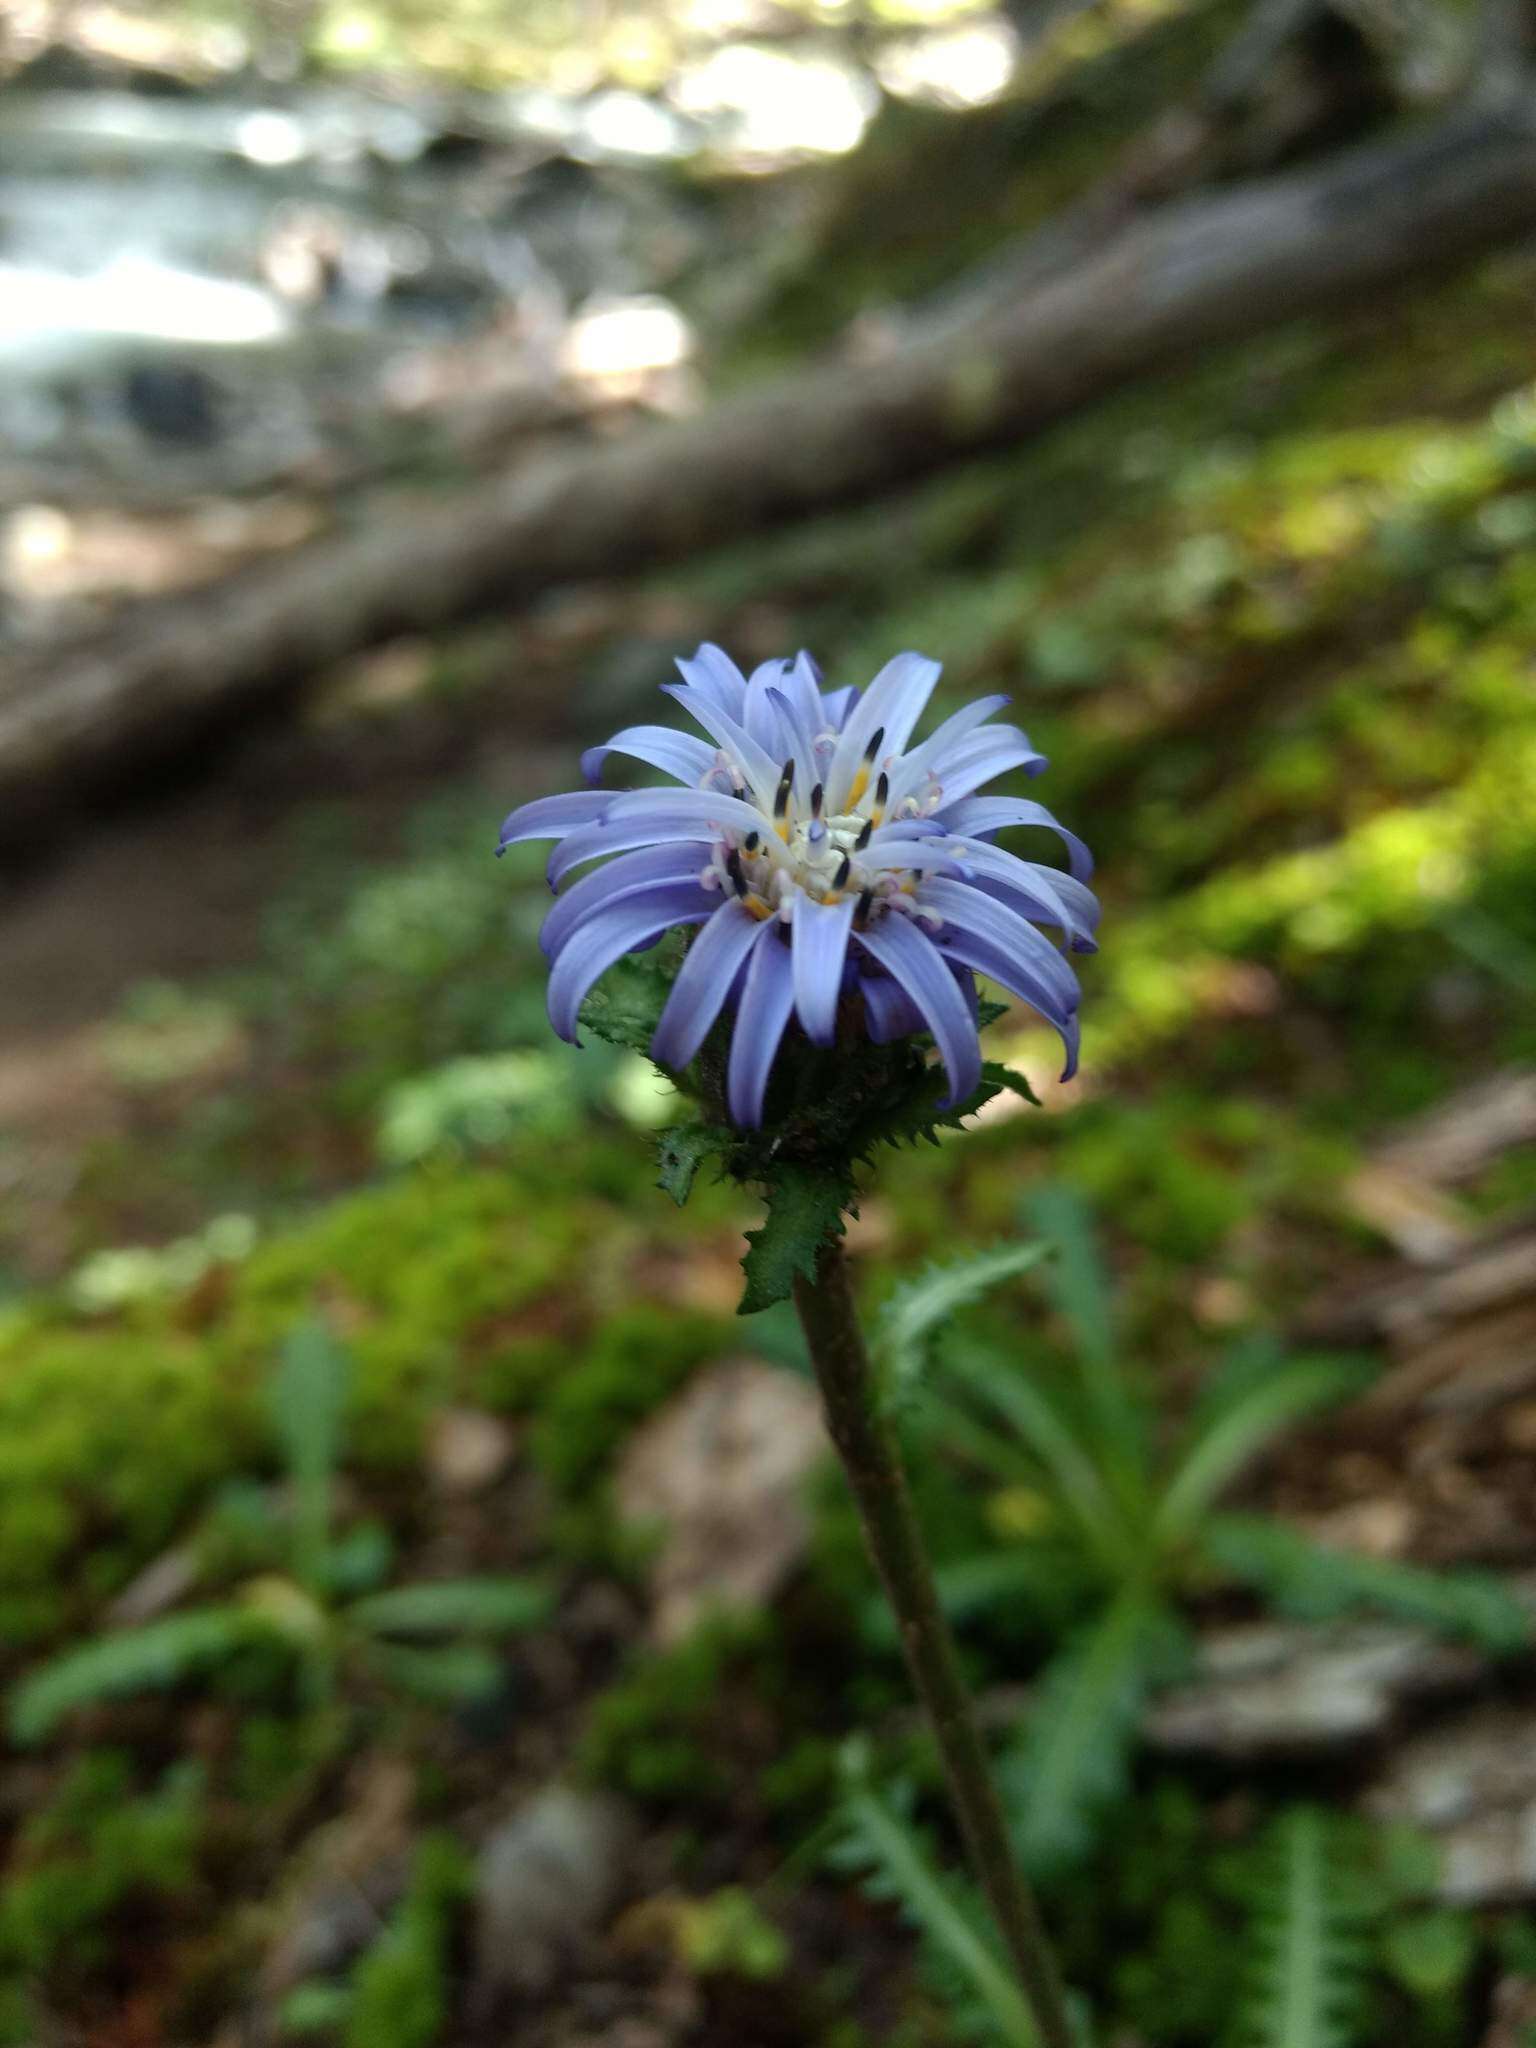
(1309, 1959)
(942, 1908)
(919, 1307)
(1316, 1582)
(1072, 1760)
(149, 1659)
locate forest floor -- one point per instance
(273, 1048)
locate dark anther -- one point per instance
(751, 842)
(786, 782)
(876, 740)
(882, 789)
(863, 839)
(861, 914)
(816, 799)
(733, 868)
(842, 871)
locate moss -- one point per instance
(416, 1270)
(107, 1435)
(630, 1365)
(97, 1850)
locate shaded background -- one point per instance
(382, 409)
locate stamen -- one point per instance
(733, 868)
(864, 837)
(751, 842)
(861, 914)
(843, 867)
(882, 790)
(876, 740)
(816, 800)
(786, 783)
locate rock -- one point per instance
(1472, 1787)
(547, 1879)
(1513, 2014)
(722, 1470)
(468, 1450)
(1275, 1689)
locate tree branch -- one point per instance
(1171, 282)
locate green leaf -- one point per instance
(1308, 1964)
(453, 1676)
(805, 1211)
(149, 1659)
(1052, 1439)
(937, 1905)
(919, 1307)
(1431, 1954)
(682, 1151)
(1317, 1582)
(998, 1077)
(309, 1397)
(1073, 1758)
(451, 1607)
(1081, 1292)
(1078, 1284)
(625, 1007)
(1232, 1437)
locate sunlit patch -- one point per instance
(963, 67)
(626, 341)
(269, 137)
(783, 103)
(133, 296)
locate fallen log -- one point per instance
(1169, 283)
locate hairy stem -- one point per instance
(867, 1446)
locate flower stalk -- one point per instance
(867, 1445)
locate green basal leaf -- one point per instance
(805, 1209)
(309, 1396)
(452, 1676)
(1072, 1761)
(681, 1151)
(150, 1659)
(451, 1607)
(922, 1306)
(1319, 1582)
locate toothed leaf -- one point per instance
(921, 1307)
(682, 1151)
(1072, 1761)
(805, 1210)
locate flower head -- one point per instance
(837, 870)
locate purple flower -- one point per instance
(826, 857)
